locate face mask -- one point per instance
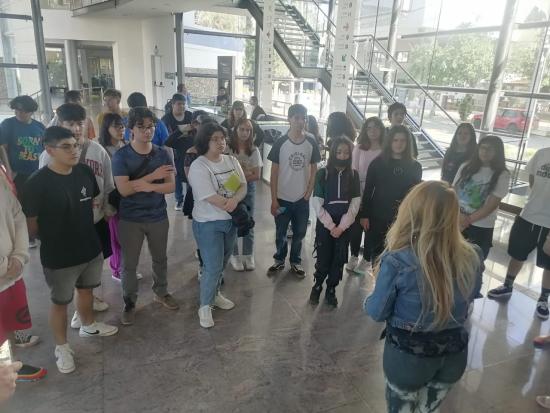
(341, 163)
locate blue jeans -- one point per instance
(181, 189)
(215, 240)
(248, 240)
(297, 213)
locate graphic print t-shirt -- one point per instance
(208, 178)
(294, 161)
(63, 206)
(24, 141)
(473, 193)
(537, 208)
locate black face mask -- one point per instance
(341, 163)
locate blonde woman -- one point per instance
(427, 276)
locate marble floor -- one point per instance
(273, 352)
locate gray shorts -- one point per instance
(63, 281)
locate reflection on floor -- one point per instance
(273, 352)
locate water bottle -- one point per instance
(281, 210)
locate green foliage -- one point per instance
(459, 60)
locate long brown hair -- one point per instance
(387, 146)
(234, 138)
(363, 140)
(428, 223)
(236, 105)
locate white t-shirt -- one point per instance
(294, 160)
(473, 193)
(249, 162)
(99, 160)
(537, 208)
(208, 178)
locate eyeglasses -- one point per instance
(67, 147)
(146, 128)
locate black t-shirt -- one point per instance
(172, 123)
(451, 163)
(63, 206)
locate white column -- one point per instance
(343, 52)
(266, 56)
(71, 65)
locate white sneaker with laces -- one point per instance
(97, 329)
(100, 305)
(352, 263)
(221, 302)
(249, 263)
(236, 263)
(362, 266)
(139, 276)
(205, 316)
(75, 322)
(65, 360)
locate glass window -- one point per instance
(223, 22)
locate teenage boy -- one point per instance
(14, 245)
(222, 99)
(397, 112)
(144, 173)
(178, 116)
(257, 110)
(58, 203)
(111, 104)
(138, 100)
(182, 132)
(21, 141)
(531, 230)
(72, 117)
(294, 158)
(74, 96)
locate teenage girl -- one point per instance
(463, 146)
(368, 148)
(480, 184)
(336, 200)
(389, 178)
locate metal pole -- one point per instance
(71, 64)
(257, 42)
(499, 64)
(41, 60)
(178, 17)
(392, 35)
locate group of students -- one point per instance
(95, 200)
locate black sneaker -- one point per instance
(330, 297)
(298, 270)
(500, 292)
(542, 310)
(315, 293)
(31, 373)
(277, 266)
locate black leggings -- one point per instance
(356, 236)
(332, 254)
(375, 239)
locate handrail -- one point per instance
(388, 54)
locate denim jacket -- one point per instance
(396, 298)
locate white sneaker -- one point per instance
(97, 329)
(352, 263)
(249, 263)
(65, 361)
(236, 263)
(75, 322)
(100, 305)
(205, 317)
(139, 276)
(362, 266)
(221, 302)
(33, 243)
